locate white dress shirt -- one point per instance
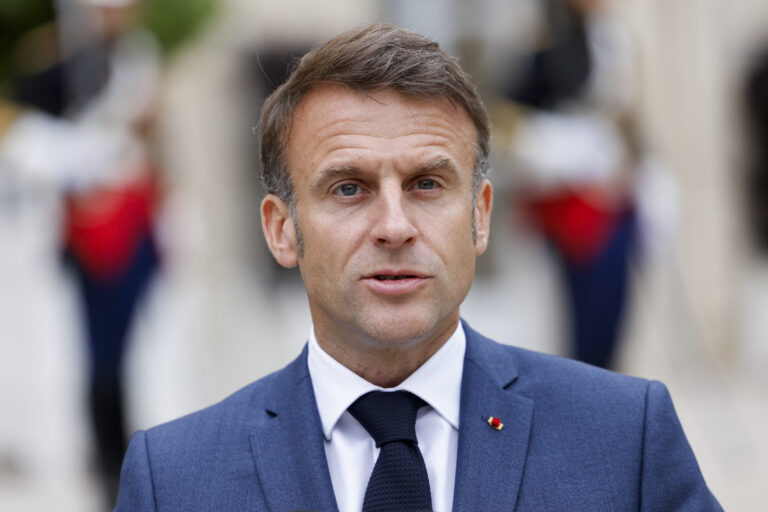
(349, 449)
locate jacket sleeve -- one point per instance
(670, 476)
(136, 487)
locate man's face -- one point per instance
(383, 185)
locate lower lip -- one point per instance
(394, 286)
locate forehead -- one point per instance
(334, 122)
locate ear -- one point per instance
(279, 230)
(483, 203)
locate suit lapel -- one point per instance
(490, 462)
(287, 445)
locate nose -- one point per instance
(392, 226)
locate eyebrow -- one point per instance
(335, 171)
(348, 171)
(440, 163)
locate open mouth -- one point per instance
(392, 283)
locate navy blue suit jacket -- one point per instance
(574, 438)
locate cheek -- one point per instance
(330, 244)
(458, 226)
(464, 244)
(451, 237)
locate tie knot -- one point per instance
(388, 415)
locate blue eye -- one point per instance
(347, 189)
(426, 184)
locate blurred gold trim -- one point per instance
(8, 114)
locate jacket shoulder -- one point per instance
(165, 465)
(224, 426)
(530, 373)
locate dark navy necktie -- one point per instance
(399, 481)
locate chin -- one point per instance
(401, 330)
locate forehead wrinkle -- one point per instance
(419, 123)
(325, 132)
(439, 140)
(344, 140)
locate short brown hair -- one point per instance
(380, 56)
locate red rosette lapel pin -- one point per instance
(495, 422)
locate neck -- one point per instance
(385, 364)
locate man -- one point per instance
(374, 154)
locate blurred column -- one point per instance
(686, 108)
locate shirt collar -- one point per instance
(437, 382)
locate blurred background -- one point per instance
(630, 224)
